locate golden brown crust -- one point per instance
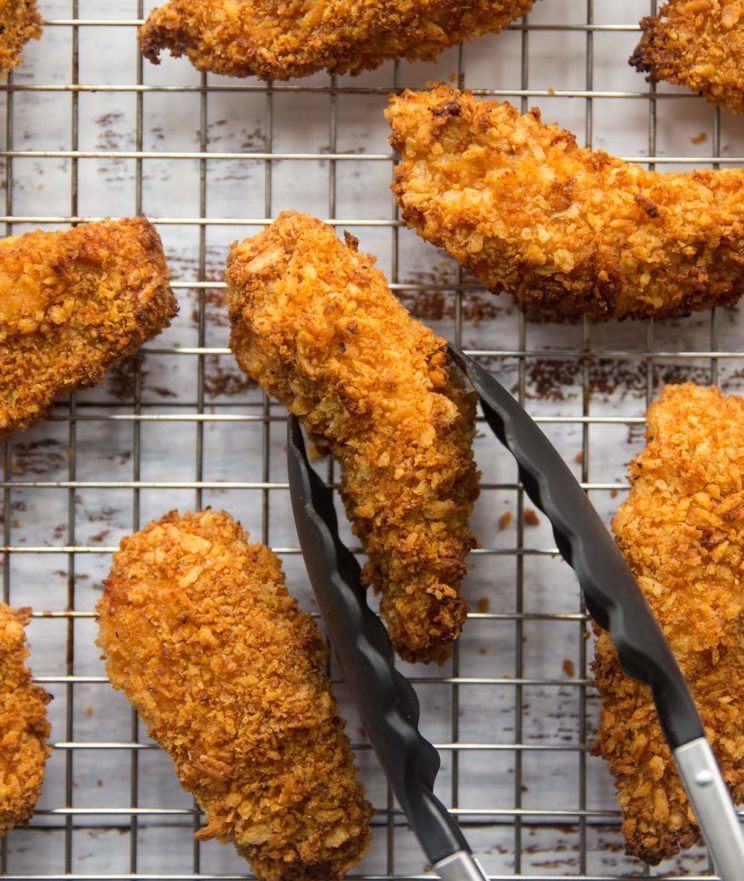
(699, 44)
(19, 22)
(72, 303)
(317, 326)
(682, 532)
(24, 728)
(341, 36)
(199, 631)
(561, 227)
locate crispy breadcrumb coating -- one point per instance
(19, 22)
(560, 227)
(199, 631)
(682, 532)
(316, 325)
(281, 40)
(24, 728)
(699, 44)
(72, 303)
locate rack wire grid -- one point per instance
(92, 131)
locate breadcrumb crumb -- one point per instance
(19, 22)
(682, 532)
(698, 44)
(24, 728)
(563, 228)
(73, 303)
(279, 41)
(316, 325)
(199, 631)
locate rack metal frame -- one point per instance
(70, 550)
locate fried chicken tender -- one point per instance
(699, 44)
(19, 22)
(682, 532)
(199, 631)
(566, 229)
(24, 728)
(72, 303)
(316, 325)
(282, 40)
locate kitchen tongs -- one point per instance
(617, 604)
(387, 704)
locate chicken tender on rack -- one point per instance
(699, 44)
(682, 532)
(282, 40)
(562, 228)
(316, 325)
(19, 22)
(227, 673)
(24, 728)
(73, 303)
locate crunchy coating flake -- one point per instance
(72, 303)
(561, 227)
(699, 44)
(316, 325)
(199, 631)
(281, 40)
(19, 22)
(24, 728)
(682, 532)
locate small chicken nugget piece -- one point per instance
(73, 303)
(280, 41)
(316, 325)
(199, 631)
(563, 228)
(19, 22)
(682, 533)
(24, 728)
(698, 44)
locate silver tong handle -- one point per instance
(713, 807)
(460, 866)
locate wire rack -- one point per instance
(91, 131)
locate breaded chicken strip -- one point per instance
(682, 532)
(227, 674)
(699, 44)
(72, 303)
(316, 325)
(274, 40)
(19, 22)
(24, 728)
(560, 227)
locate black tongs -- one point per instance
(387, 704)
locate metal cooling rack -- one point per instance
(512, 713)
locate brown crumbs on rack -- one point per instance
(223, 379)
(121, 381)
